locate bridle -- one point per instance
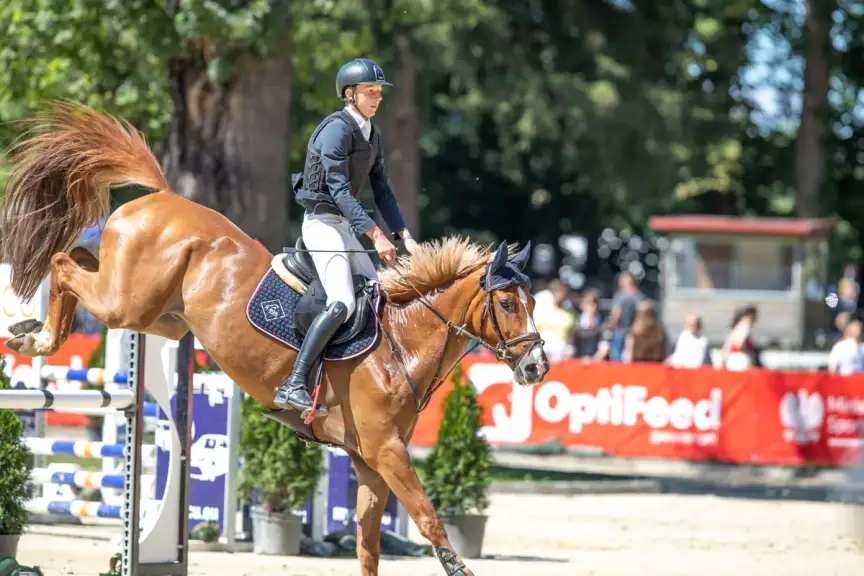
(503, 349)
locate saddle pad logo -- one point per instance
(272, 310)
(379, 74)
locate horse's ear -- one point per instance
(521, 259)
(499, 260)
(500, 257)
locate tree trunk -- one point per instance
(815, 110)
(402, 137)
(228, 145)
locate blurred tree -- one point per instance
(413, 40)
(815, 110)
(529, 118)
(211, 83)
(578, 116)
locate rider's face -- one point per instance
(367, 99)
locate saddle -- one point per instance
(295, 267)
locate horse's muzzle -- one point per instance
(532, 367)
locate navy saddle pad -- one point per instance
(271, 310)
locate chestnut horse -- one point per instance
(168, 265)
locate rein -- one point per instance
(501, 350)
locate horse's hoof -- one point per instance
(15, 343)
(25, 326)
(24, 345)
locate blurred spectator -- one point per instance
(839, 327)
(647, 340)
(589, 342)
(572, 301)
(847, 356)
(847, 292)
(692, 348)
(738, 352)
(554, 322)
(625, 303)
(841, 320)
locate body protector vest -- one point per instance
(361, 158)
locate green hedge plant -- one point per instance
(456, 472)
(15, 468)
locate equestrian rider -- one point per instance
(342, 153)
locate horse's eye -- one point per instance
(506, 305)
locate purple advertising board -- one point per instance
(209, 456)
(341, 499)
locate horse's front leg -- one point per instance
(372, 493)
(393, 463)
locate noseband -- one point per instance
(503, 349)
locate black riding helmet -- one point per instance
(358, 71)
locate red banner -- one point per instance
(650, 410)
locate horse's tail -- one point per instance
(61, 184)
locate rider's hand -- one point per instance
(386, 250)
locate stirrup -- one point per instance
(308, 410)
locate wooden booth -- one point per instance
(714, 265)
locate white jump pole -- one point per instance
(162, 549)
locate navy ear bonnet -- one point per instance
(502, 273)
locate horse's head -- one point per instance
(506, 324)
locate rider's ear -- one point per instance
(521, 259)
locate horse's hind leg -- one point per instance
(64, 304)
(372, 493)
(393, 463)
(116, 300)
(86, 260)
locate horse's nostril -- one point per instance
(532, 370)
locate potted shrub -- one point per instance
(456, 472)
(15, 470)
(278, 473)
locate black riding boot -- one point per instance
(293, 393)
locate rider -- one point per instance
(342, 153)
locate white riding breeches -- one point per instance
(334, 233)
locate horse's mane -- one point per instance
(434, 264)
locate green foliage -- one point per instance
(277, 466)
(97, 357)
(456, 472)
(14, 468)
(114, 564)
(578, 115)
(205, 532)
(105, 54)
(114, 54)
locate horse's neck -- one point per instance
(429, 347)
